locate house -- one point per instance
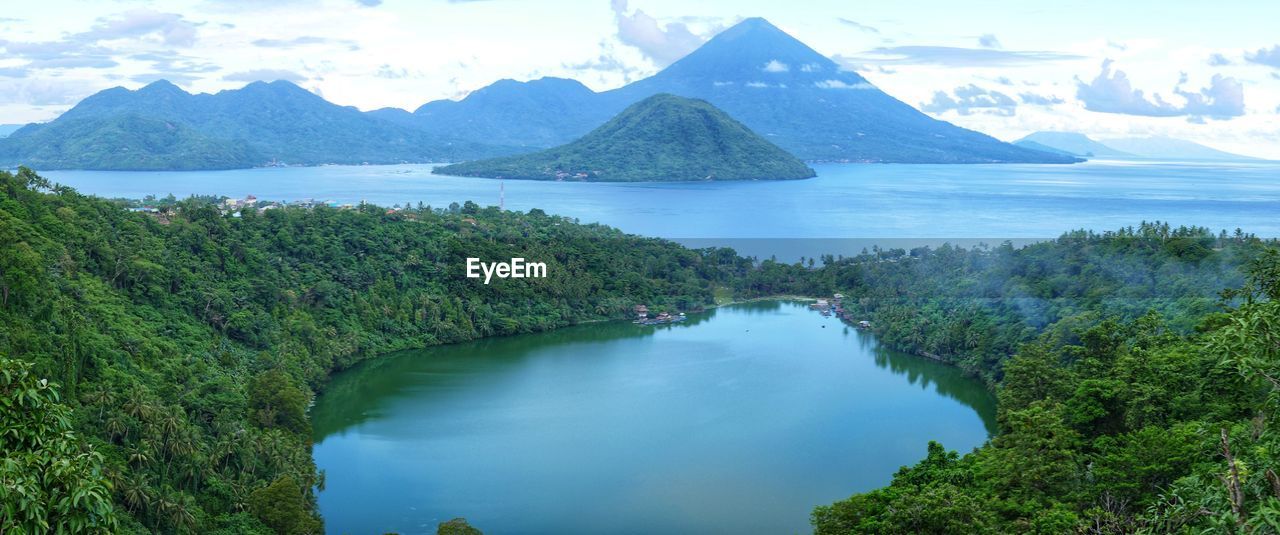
(642, 312)
(864, 324)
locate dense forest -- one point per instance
(1136, 373)
(162, 366)
(155, 370)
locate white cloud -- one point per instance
(663, 44)
(171, 28)
(776, 66)
(1263, 56)
(265, 75)
(840, 84)
(1112, 92)
(971, 99)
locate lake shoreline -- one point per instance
(426, 418)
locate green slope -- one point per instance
(662, 138)
(187, 346)
(126, 143)
(160, 126)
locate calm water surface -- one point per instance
(858, 204)
(737, 421)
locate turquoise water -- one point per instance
(844, 209)
(740, 420)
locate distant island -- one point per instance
(661, 138)
(1143, 148)
(1070, 143)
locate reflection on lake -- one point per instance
(738, 420)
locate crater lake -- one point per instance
(739, 420)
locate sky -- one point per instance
(1207, 72)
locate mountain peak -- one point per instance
(758, 25)
(160, 86)
(273, 89)
(753, 50)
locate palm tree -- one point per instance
(161, 506)
(103, 397)
(135, 491)
(138, 407)
(117, 428)
(140, 454)
(180, 514)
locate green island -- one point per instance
(156, 369)
(661, 138)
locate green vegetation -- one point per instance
(50, 480)
(162, 127)
(661, 138)
(1130, 399)
(457, 526)
(156, 371)
(185, 349)
(127, 142)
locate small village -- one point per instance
(835, 307)
(234, 206)
(663, 318)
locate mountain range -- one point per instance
(6, 129)
(777, 86)
(256, 125)
(1152, 148)
(661, 138)
(1166, 148)
(1070, 143)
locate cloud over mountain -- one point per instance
(971, 99)
(1112, 92)
(663, 44)
(265, 75)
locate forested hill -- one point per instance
(186, 347)
(661, 138)
(155, 369)
(162, 127)
(1134, 396)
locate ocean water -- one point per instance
(846, 208)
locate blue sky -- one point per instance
(1208, 72)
